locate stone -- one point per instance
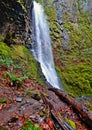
(18, 99)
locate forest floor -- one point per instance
(32, 105)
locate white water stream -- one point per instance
(41, 47)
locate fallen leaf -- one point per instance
(50, 123)
(1, 105)
(45, 126)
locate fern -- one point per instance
(29, 126)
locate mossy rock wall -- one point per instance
(15, 21)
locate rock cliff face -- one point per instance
(66, 11)
(70, 23)
(15, 21)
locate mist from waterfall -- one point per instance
(41, 46)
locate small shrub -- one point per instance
(4, 49)
(16, 81)
(20, 57)
(29, 126)
(6, 60)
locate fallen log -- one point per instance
(63, 124)
(54, 112)
(80, 109)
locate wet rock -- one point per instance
(40, 120)
(19, 124)
(32, 116)
(36, 95)
(37, 118)
(41, 101)
(18, 99)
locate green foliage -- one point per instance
(89, 106)
(3, 100)
(4, 49)
(27, 62)
(44, 2)
(81, 37)
(6, 60)
(71, 123)
(78, 79)
(55, 31)
(29, 126)
(34, 94)
(20, 57)
(16, 80)
(5, 54)
(51, 13)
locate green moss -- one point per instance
(89, 106)
(51, 16)
(71, 123)
(3, 100)
(4, 49)
(20, 57)
(34, 94)
(50, 12)
(29, 125)
(78, 79)
(58, 71)
(22, 5)
(15, 80)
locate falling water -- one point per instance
(41, 47)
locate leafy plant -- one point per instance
(29, 126)
(20, 57)
(6, 60)
(16, 81)
(4, 49)
(71, 123)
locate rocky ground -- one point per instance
(37, 104)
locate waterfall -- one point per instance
(41, 47)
